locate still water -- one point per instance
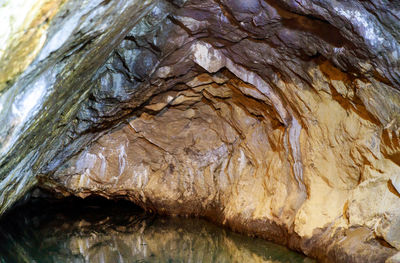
(105, 231)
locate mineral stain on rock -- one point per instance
(276, 118)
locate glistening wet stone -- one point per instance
(279, 119)
(98, 230)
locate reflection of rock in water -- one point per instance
(103, 231)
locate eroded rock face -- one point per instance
(276, 118)
(48, 63)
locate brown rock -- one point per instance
(277, 118)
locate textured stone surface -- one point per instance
(40, 98)
(276, 118)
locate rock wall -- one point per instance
(58, 48)
(275, 118)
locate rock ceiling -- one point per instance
(275, 118)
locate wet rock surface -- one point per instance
(38, 105)
(276, 118)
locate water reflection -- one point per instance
(104, 231)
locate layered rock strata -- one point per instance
(276, 118)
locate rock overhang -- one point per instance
(316, 147)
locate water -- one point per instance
(105, 231)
